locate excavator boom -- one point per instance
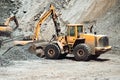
(51, 11)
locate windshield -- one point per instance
(80, 29)
(72, 31)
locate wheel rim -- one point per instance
(80, 52)
(51, 52)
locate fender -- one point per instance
(59, 45)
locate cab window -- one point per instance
(72, 31)
(80, 29)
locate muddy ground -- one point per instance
(106, 67)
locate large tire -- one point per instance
(52, 51)
(81, 52)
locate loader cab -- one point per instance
(73, 32)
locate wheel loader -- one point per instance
(76, 41)
(82, 45)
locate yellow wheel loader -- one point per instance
(75, 41)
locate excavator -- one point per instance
(76, 41)
(6, 30)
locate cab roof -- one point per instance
(74, 24)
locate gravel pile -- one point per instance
(19, 53)
(16, 53)
(4, 62)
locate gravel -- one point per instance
(4, 62)
(107, 67)
(16, 53)
(19, 53)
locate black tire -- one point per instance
(81, 52)
(52, 51)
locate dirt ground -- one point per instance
(19, 64)
(106, 67)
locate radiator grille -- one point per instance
(103, 41)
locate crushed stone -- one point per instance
(19, 53)
(4, 62)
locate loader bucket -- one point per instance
(38, 48)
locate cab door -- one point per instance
(71, 34)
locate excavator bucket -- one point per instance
(38, 48)
(5, 30)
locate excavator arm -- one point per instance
(51, 11)
(5, 29)
(13, 18)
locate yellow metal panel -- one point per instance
(90, 41)
(5, 28)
